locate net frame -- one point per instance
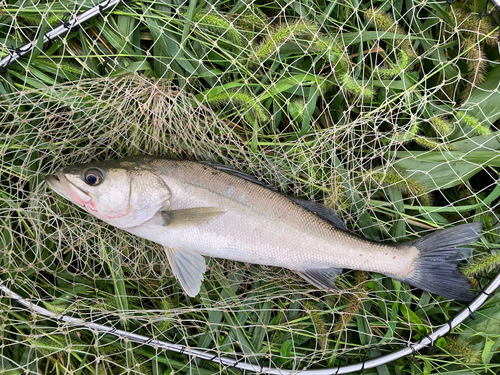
(240, 363)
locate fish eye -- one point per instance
(93, 177)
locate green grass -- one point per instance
(370, 110)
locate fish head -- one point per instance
(124, 194)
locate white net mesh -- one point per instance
(386, 111)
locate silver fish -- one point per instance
(199, 209)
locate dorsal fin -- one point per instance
(324, 212)
(231, 170)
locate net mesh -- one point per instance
(386, 111)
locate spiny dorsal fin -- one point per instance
(230, 170)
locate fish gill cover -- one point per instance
(386, 111)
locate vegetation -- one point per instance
(386, 111)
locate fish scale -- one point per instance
(295, 237)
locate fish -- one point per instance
(204, 209)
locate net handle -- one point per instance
(65, 27)
(239, 363)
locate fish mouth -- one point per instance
(62, 186)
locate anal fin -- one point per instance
(188, 267)
(323, 278)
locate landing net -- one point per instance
(386, 111)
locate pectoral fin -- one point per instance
(190, 216)
(323, 278)
(188, 267)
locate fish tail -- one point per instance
(437, 263)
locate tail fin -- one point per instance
(437, 265)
